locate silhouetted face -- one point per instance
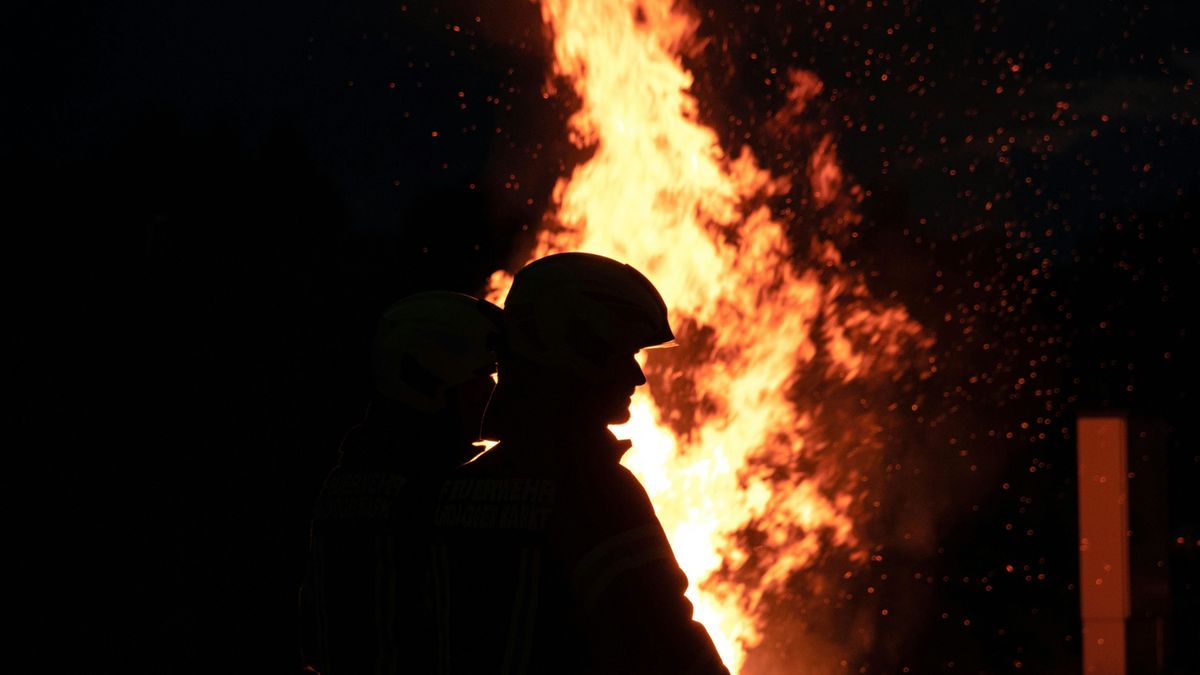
(610, 397)
(540, 395)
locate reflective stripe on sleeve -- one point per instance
(521, 628)
(614, 556)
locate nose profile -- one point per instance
(639, 378)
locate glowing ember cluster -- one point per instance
(748, 484)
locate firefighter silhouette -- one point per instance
(364, 605)
(548, 556)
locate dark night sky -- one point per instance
(208, 203)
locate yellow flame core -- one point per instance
(660, 194)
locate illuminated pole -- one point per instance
(1103, 542)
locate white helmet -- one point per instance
(573, 311)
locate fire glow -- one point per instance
(720, 445)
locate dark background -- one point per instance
(207, 204)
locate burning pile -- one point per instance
(748, 485)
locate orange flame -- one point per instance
(661, 194)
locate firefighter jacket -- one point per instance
(548, 558)
(363, 603)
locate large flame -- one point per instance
(721, 449)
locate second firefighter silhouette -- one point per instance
(364, 603)
(550, 558)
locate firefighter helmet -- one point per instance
(429, 342)
(574, 311)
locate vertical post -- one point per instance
(1103, 542)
